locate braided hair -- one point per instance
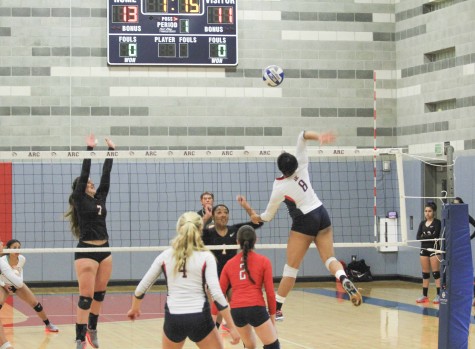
(246, 237)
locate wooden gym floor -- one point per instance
(317, 315)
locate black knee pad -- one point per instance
(275, 345)
(38, 307)
(436, 275)
(84, 302)
(99, 296)
(426, 276)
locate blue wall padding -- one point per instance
(457, 279)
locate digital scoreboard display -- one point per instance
(172, 32)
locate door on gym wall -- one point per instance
(435, 183)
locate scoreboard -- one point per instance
(172, 32)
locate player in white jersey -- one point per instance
(310, 220)
(189, 268)
(11, 282)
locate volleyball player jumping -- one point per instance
(310, 220)
(87, 214)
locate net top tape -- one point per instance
(190, 154)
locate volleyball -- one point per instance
(273, 75)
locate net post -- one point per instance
(450, 171)
(456, 279)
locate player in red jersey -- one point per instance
(246, 273)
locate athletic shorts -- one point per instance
(196, 326)
(97, 256)
(425, 253)
(312, 222)
(254, 316)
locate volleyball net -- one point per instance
(150, 189)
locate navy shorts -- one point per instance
(312, 222)
(196, 326)
(254, 316)
(97, 256)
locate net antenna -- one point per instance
(150, 189)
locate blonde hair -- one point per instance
(188, 239)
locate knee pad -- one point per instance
(275, 345)
(329, 261)
(290, 272)
(425, 276)
(84, 302)
(38, 307)
(99, 296)
(436, 275)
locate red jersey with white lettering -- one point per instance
(245, 293)
(296, 191)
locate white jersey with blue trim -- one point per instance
(12, 276)
(296, 191)
(186, 290)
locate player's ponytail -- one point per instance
(246, 237)
(71, 215)
(188, 239)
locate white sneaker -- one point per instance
(51, 328)
(355, 296)
(91, 336)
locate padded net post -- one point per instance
(457, 279)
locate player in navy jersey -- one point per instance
(207, 200)
(188, 267)
(87, 214)
(223, 234)
(429, 229)
(246, 273)
(310, 220)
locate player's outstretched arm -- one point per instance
(245, 205)
(323, 138)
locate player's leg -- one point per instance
(26, 295)
(86, 270)
(435, 266)
(4, 343)
(324, 243)
(425, 266)
(100, 285)
(297, 246)
(268, 335)
(247, 336)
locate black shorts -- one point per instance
(254, 316)
(425, 253)
(97, 256)
(196, 326)
(312, 222)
